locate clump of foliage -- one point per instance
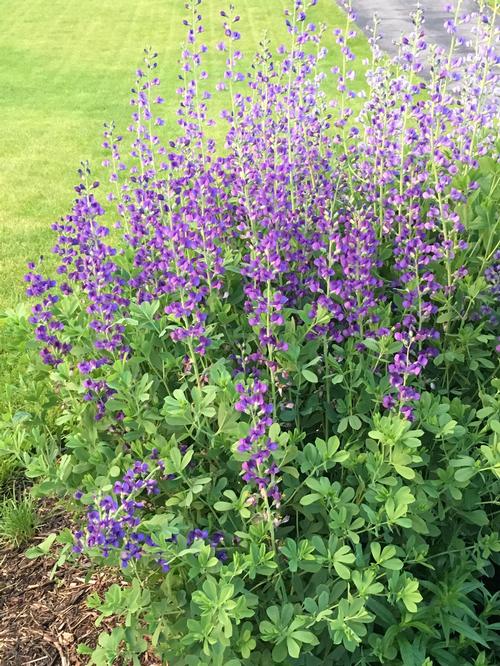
(274, 364)
(18, 519)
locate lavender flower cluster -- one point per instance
(114, 520)
(256, 469)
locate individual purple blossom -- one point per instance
(196, 534)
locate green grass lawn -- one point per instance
(67, 67)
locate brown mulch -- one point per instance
(44, 618)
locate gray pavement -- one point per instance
(395, 19)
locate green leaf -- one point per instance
(375, 550)
(310, 376)
(394, 564)
(293, 647)
(409, 656)
(464, 474)
(42, 548)
(280, 652)
(495, 426)
(404, 471)
(340, 457)
(223, 506)
(355, 422)
(187, 458)
(344, 422)
(305, 637)
(485, 411)
(267, 628)
(418, 524)
(273, 614)
(371, 344)
(310, 499)
(464, 629)
(344, 554)
(342, 571)
(410, 595)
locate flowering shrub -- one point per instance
(273, 361)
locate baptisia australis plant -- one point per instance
(273, 359)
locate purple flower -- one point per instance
(255, 468)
